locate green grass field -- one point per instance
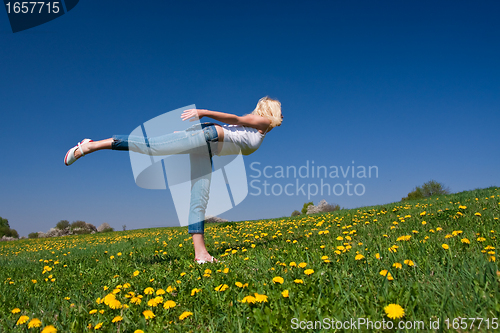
(435, 258)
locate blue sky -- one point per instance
(410, 87)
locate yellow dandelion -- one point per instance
(135, 273)
(465, 241)
(248, 299)
(394, 311)
(93, 311)
(98, 326)
(117, 319)
(35, 322)
(169, 305)
(22, 320)
(477, 214)
(285, 293)
(377, 255)
(397, 265)
(16, 310)
(260, 298)
(386, 273)
(278, 279)
(308, 271)
(153, 302)
(49, 329)
(115, 304)
(298, 281)
(185, 314)
(149, 291)
(293, 264)
(138, 331)
(195, 291)
(221, 287)
(409, 262)
(445, 246)
(359, 257)
(148, 314)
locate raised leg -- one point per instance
(94, 146)
(182, 142)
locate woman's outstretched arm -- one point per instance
(249, 120)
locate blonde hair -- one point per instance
(270, 109)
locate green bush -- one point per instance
(13, 233)
(8, 232)
(295, 213)
(307, 204)
(33, 235)
(63, 224)
(108, 230)
(414, 195)
(430, 188)
(4, 222)
(433, 187)
(78, 224)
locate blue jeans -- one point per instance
(192, 141)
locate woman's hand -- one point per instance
(192, 114)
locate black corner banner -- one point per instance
(28, 14)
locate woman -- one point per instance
(241, 134)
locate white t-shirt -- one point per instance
(240, 138)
